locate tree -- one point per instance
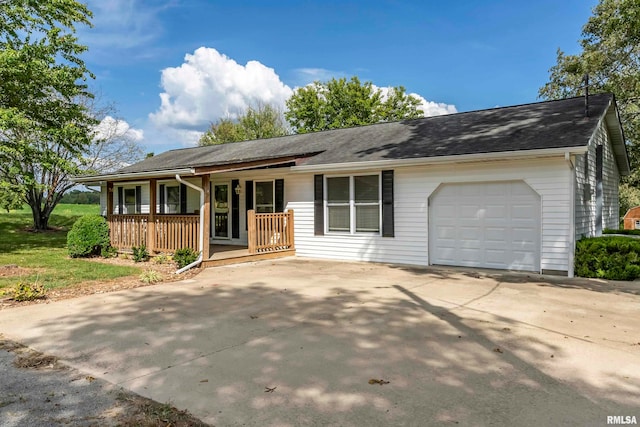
(113, 144)
(611, 58)
(341, 103)
(263, 121)
(43, 129)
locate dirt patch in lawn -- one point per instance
(166, 272)
(12, 270)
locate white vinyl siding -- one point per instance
(548, 177)
(585, 195)
(103, 200)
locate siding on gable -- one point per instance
(413, 185)
(585, 195)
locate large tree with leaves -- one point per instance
(610, 56)
(44, 129)
(262, 121)
(341, 103)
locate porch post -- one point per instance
(251, 229)
(110, 211)
(207, 215)
(151, 224)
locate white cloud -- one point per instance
(432, 108)
(209, 86)
(111, 128)
(429, 108)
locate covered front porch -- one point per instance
(270, 235)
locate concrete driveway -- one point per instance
(456, 346)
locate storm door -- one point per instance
(221, 208)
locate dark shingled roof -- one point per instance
(542, 125)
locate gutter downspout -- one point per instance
(572, 214)
(201, 234)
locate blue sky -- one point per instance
(171, 67)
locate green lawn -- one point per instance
(46, 252)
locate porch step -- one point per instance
(247, 258)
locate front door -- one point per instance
(221, 205)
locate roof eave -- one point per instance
(132, 175)
(616, 133)
(461, 158)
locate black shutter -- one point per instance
(183, 199)
(387, 204)
(248, 198)
(138, 199)
(235, 210)
(318, 205)
(279, 202)
(162, 196)
(120, 201)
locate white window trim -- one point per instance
(352, 205)
(166, 198)
(273, 195)
(124, 198)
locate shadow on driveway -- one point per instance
(316, 338)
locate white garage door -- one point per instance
(487, 224)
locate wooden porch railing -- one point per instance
(127, 231)
(171, 232)
(176, 232)
(270, 232)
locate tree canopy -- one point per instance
(43, 128)
(341, 103)
(611, 57)
(263, 121)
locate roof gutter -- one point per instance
(133, 175)
(463, 158)
(201, 233)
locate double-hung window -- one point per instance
(129, 200)
(353, 204)
(172, 198)
(264, 197)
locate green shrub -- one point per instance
(109, 252)
(89, 236)
(140, 253)
(185, 256)
(608, 257)
(162, 259)
(628, 232)
(28, 292)
(150, 276)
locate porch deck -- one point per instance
(234, 254)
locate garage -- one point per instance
(485, 224)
